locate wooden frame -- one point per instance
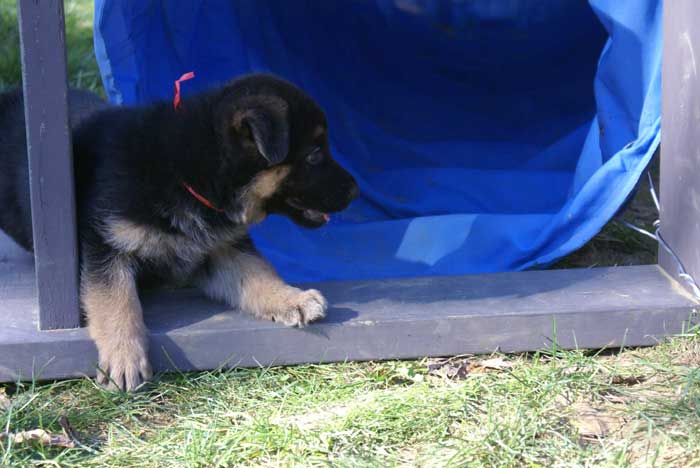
(368, 320)
(44, 79)
(680, 165)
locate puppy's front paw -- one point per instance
(301, 308)
(124, 366)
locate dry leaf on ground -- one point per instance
(457, 369)
(593, 423)
(628, 379)
(39, 435)
(67, 439)
(492, 364)
(452, 369)
(4, 400)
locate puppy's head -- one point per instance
(283, 135)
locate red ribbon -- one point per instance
(177, 103)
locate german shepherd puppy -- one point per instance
(167, 196)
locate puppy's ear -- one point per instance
(262, 121)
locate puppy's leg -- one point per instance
(245, 280)
(115, 323)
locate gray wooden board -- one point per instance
(680, 142)
(368, 320)
(43, 54)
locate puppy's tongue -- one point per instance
(316, 215)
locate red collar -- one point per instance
(177, 105)
(201, 199)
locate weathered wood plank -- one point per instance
(374, 320)
(680, 138)
(43, 51)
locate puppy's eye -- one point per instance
(315, 157)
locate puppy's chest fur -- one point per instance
(173, 255)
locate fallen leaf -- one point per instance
(71, 434)
(628, 379)
(457, 369)
(492, 364)
(39, 435)
(67, 439)
(4, 400)
(613, 396)
(593, 423)
(449, 369)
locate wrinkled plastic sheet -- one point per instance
(486, 135)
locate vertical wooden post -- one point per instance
(680, 145)
(44, 76)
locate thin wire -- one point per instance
(682, 273)
(681, 269)
(639, 230)
(653, 192)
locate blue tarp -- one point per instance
(486, 135)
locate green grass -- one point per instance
(539, 412)
(555, 408)
(82, 67)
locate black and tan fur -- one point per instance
(255, 146)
